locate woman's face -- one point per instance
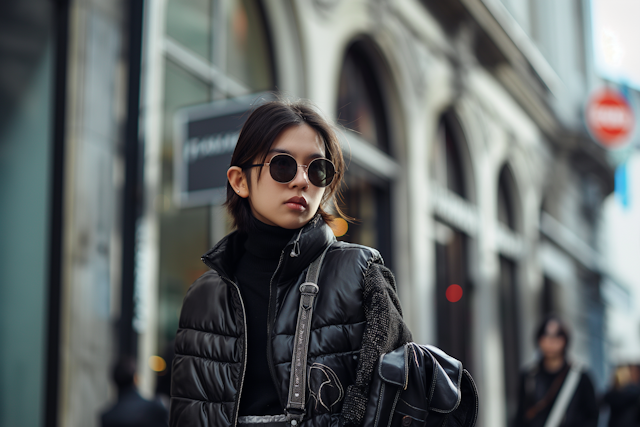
(552, 343)
(293, 204)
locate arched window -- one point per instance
(361, 110)
(452, 241)
(360, 102)
(447, 169)
(508, 291)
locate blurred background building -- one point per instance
(469, 164)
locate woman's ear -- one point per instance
(238, 181)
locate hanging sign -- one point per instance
(205, 137)
(609, 118)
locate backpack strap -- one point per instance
(549, 396)
(296, 400)
(564, 397)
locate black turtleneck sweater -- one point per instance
(254, 271)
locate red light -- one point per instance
(454, 293)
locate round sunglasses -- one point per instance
(284, 168)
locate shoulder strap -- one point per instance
(295, 409)
(564, 397)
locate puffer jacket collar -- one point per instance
(305, 246)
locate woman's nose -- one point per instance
(301, 179)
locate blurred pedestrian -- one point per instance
(131, 409)
(624, 397)
(234, 346)
(555, 392)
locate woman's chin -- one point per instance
(293, 223)
(289, 219)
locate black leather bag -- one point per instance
(420, 385)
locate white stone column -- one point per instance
(488, 334)
(147, 264)
(95, 106)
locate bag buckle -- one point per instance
(294, 419)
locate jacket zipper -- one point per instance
(244, 356)
(270, 321)
(296, 246)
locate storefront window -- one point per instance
(509, 325)
(183, 232)
(181, 89)
(189, 23)
(373, 207)
(508, 291)
(27, 203)
(248, 51)
(453, 317)
(229, 37)
(360, 105)
(361, 110)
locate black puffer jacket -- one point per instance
(356, 318)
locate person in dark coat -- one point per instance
(131, 409)
(234, 345)
(623, 398)
(541, 385)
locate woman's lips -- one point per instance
(297, 203)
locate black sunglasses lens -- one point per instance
(321, 172)
(283, 168)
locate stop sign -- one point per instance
(609, 118)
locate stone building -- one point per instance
(468, 164)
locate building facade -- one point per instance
(469, 164)
(469, 161)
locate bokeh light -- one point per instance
(340, 227)
(454, 293)
(157, 363)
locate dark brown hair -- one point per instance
(259, 132)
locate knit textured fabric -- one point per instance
(385, 331)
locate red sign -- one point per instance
(609, 118)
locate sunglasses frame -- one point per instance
(297, 166)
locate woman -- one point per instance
(555, 393)
(235, 339)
